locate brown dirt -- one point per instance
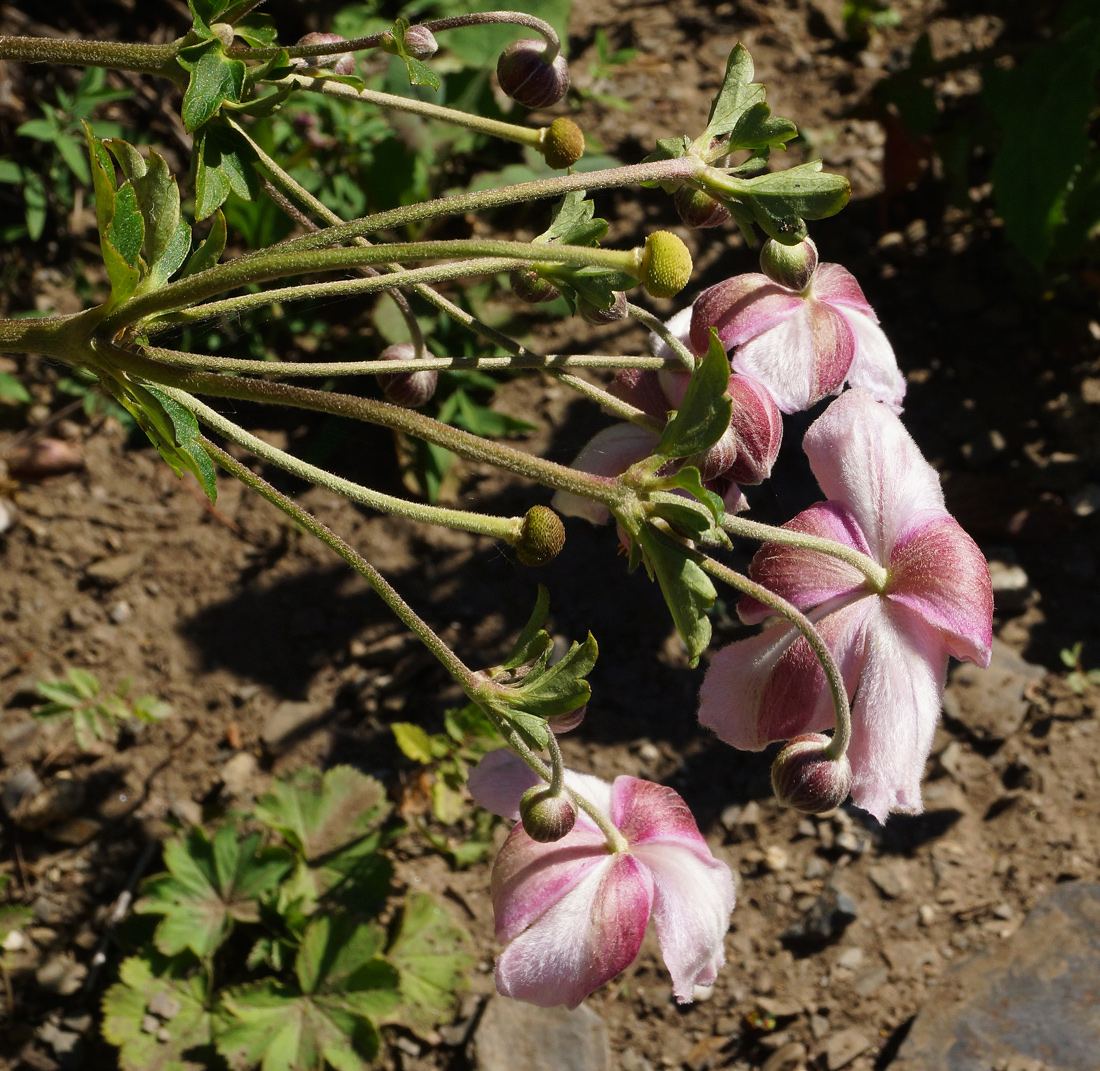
(229, 613)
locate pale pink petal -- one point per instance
(863, 457)
(874, 366)
(836, 285)
(591, 934)
(529, 877)
(740, 308)
(680, 327)
(896, 709)
(733, 498)
(772, 687)
(806, 578)
(758, 427)
(938, 571)
(609, 452)
(801, 360)
(693, 898)
(646, 811)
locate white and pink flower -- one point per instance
(573, 912)
(892, 646)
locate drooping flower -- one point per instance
(802, 343)
(891, 645)
(573, 913)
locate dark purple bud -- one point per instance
(546, 818)
(541, 537)
(805, 778)
(641, 388)
(598, 317)
(410, 390)
(531, 287)
(757, 429)
(528, 79)
(698, 209)
(420, 42)
(792, 266)
(342, 63)
(564, 723)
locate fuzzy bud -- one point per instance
(666, 265)
(792, 266)
(546, 818)
(562, 143)
(804, 778)
(224, 32)
(410, 390)
(757, 429)
(342, 63)
(531, 287)
(420, 42)
(598, 317)
(698, 209)
(541, 537)
(564, 723)
(528, 79)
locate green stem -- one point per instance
(513, 18)
(608, 401)
(506, 528)
(877, 576)
(525, 361)
(685, 357)
(144, 59)
(839, 743)
(463, 443)
(451, 662)
(54, 336)
(278, 265)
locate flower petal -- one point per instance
(802, 359)
(609, 452)
(585, 939)
(641, 388)
(499, 780)
(680, 326)
(896, 709)
(836, 285)
(806, 578)
(874, 366)
(938, 571)
(740, 308)
(863, 457)
(772, 687)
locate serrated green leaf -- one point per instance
(706, 410)
(208, 252)
(214, 78)
(781, 200)
(413, 741)
(758, 128)
(207, 10)
(129, 158)
(224, 165)
(574, 222)
(430, 953)
(126, 1011)
(737, 95)
(687, 590)
(533, 641)
(257, 29)
(167, 237)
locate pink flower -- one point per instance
(573, 913)
(802, 344)
(890, 645)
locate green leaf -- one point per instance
(210, 884)
(257, 29)
(126, 231)
(214, 78)
(208, 252)
(129, 159)
(706, 410)
(738, 94)
(40, 129)
(126, 1015)
(1043, 107)
(167, 237)
(758, 128)
(687, 590)
(692, 519)
(413, 741)
(574, 222)
(781, 200)
(558, 690)
(534, 642)
(103, 180)
(34, 205)
(72, 152)
(12, 390)
(224, 165)
(430, 953)
(85, 683)
(207, 10)
(188, 443)
(420, 74)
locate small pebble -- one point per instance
(120, 613)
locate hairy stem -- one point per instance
(514, 18)
(122, 56)
(685, 357)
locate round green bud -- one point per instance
(792, 266)
(546, 818)
(541, 537)
(666, 265)
(562, 143)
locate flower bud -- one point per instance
(528, 79)
(562, 143)
(598, 317)
(757, 429)
(564, 723)
(792, 266)
(531, 287)
(666, 265)
(420, 42)
(546, 818)
(698, 209)
(407, 389)
(224, 32)
(342, 63)
(803, 777)
(642, 389)
(541, 537)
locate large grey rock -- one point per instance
(1035, 997)
(513, 1036)
(991, 702)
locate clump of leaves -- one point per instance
(1078, 677)
(304, 892)
(95, 713)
